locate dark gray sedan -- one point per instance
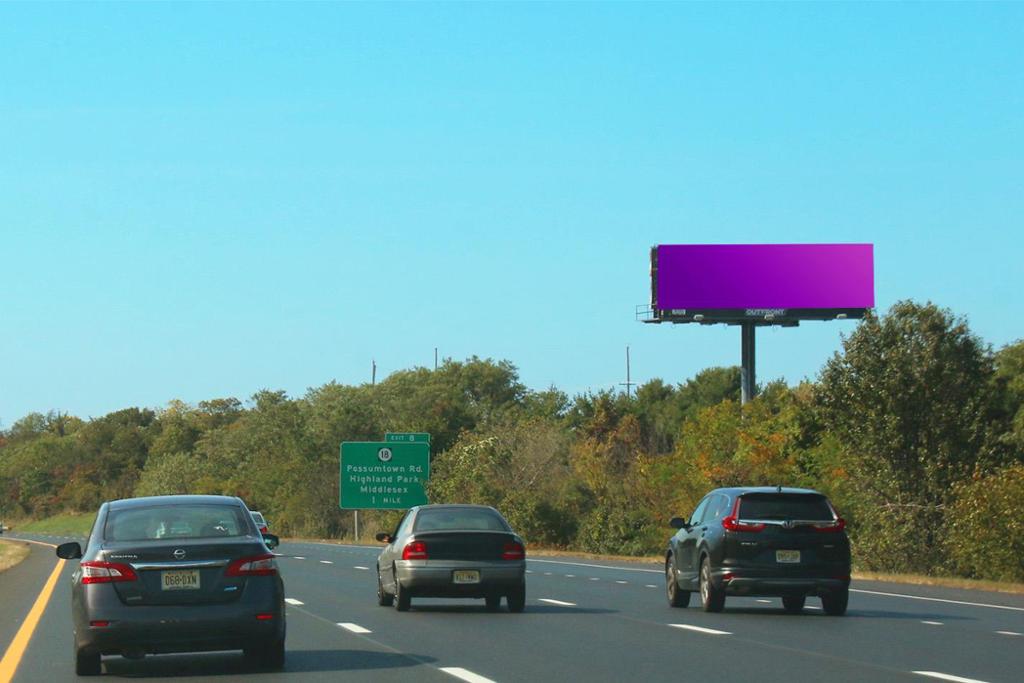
(175, 574)
(452, 551)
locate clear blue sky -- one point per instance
(203, 200)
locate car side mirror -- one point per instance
(678, 523)
(383, 537)
(271, 540)
(69, 551)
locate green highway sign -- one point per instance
(383, 475)
(407, 437)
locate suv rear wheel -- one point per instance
(834, 604)
(793, 604)
(712, 599)
(676, 596)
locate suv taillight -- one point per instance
(733, 523)
(831, 527)
(513, 551)
(417, 550)
(258, 565)
(107, 572)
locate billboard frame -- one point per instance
(749, 319)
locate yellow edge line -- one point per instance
(9, 664)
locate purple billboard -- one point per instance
(764, 276)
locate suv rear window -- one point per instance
(461, 519)
(175, 522)
(804, 506)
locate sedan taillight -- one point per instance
(513, 551)
(258, 565)
(417, 550)
(107, 572)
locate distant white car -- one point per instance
(261, 523)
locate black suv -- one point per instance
(763, 541)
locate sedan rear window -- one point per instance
(176, 522)
(459, 519)
(803, 506)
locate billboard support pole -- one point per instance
(748, 375)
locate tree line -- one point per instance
(915, 429)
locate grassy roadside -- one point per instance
(69, 525)
(11, 553)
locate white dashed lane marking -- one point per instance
(701, 629)
(298, 557)
(932, 623)
(365, 569)
(293, 601)
(465, 674)
(326, 562)
(594, 578)
(354, 628)
(560, 603)
(622, 582)
(650, 585)
(950, 602)
(1009, 633)
(765, 602)
(570, 576)
(947, 677)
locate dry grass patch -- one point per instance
(943, 581)
(11, 553)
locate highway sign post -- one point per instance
(383, 475)
(407, 437)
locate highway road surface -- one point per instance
(585, 620)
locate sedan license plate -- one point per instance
(180, 580)
(787, 556)
(466, 576)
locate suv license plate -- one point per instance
(466, 576)
(787, 556)
(180, 580)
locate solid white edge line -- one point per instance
(354, 628)
(293, 601)
(948, 677)
(701, 629)
(560, 603)
(464, 674)
(951, 602)
(598, 566)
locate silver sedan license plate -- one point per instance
(787, 556)
(466, 576)
(180, 580)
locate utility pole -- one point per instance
(373, 372)
(627, 383)
(435, 358)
